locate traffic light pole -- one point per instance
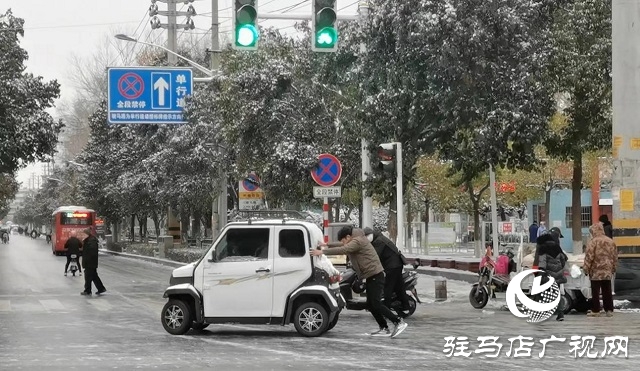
(399, 197)
(367, 203)
(494, 211)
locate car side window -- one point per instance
(291, 243)
(243, 245)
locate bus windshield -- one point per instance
(76, 218)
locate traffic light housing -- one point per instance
(245, 24)
(324, 31)
(387, 157)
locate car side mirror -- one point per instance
(212, 259)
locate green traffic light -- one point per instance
(326, 37)
(246, 35)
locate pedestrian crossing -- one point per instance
(67, 303)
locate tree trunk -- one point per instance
(184, 223)
(427, 208)
(156, 223)
(576, 203)
(547, 202)
(477, 231)
(195, 226)
(142, 222)
(132, 228)
(338, 205)
(347, 215)
(206, 220)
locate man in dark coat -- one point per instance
(606, 224)
(392, 263)
(90, 263)
(72, 246)
(533, 232)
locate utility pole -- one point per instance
(172, 25)
(367, 205)
(171, 32)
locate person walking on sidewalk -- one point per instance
(600, 263)
(392, 263)
(90, 264)
(73, 246)
(367, 265)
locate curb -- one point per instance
(451, 274)
(166, 262)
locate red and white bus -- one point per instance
(66, 219)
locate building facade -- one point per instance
(560, 212)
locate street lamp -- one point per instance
(205, 70)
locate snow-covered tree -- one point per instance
(460, 76)
(273, 119)
(27, 132)
(8, 189)
(581, 72)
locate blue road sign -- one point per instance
(328, 171)
(251, 183)
(144, 95)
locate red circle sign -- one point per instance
(130, 85)
(328, 171)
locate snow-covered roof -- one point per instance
(62, 209)
(275, 221)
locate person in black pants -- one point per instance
(90, 264)
(367, 265)
(392, 263)
(73, 246)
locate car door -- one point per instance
(237, 277)
(292, 265)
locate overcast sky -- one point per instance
(55, 30)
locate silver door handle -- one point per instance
(263, 270)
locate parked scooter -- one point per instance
(350, 284)
(493, 277)
(73, 265)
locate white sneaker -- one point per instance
(381, 332)
(400, 326)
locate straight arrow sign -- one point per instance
(161, 86)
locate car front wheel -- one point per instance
(176, 317)
(311, 319)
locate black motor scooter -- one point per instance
(350, 284)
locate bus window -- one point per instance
(76, 219)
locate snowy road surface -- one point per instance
(46, 324)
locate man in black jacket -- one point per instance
(73, 246)
(90, 263)
(392, 263)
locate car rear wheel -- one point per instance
(311, 319)
(176, 317)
